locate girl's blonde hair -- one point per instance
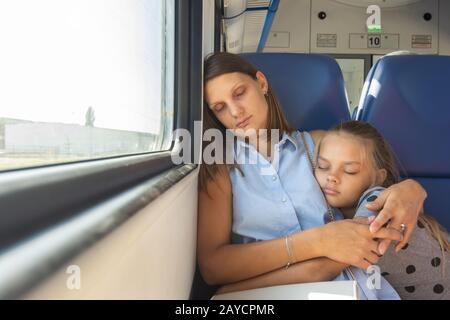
(384, 158)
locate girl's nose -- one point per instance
(332, 178)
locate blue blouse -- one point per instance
(275, 199)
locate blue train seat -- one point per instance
(407, 98)
(310, 87)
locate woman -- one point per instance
(287, 217)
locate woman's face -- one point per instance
(238, 101)
(344, 170)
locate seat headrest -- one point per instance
(408, 100)
(310, 87)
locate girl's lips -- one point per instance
(244, 123)
(330, 191)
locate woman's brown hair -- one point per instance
(218, 64)
(384, 158)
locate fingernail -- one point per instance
(373, 227)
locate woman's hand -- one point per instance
(351, 242)
(399, 204)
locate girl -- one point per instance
(354, 164)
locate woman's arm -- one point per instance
(315, 270)
(221, 262)
(399, 204)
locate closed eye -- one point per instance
(240, 92)
(218, 107)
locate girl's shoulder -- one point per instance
(368, 196)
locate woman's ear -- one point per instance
(381, 176)
(262, 80)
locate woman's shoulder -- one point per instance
(317, 135)
(312, 138)
(214, 181)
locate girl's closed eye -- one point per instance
(322, 165)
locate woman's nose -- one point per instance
(235, 110)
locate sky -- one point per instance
(60, 57)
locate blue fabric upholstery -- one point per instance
(310, 87)
(407, 98)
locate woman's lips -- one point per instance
(330, 191)
(244, 123)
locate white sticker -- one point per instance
(325, 40)
(421, 41)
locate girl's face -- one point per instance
(344, 170)
(238, 101)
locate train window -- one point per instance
(353, 72)
(355, 68)
(84, 79)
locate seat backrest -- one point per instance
(407, 99)
(310, 87)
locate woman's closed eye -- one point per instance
(218, 107)
(240, 92)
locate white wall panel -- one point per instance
(150, 256)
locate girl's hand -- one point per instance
(399, 204)
(351, 242)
